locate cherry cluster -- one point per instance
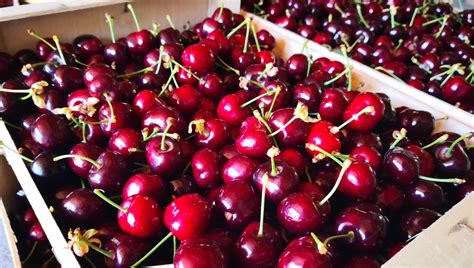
(208, 139)
(424, 43)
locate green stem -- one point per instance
(313, 147)
(58, 46)
(445, 19)
(450, 180)
(387, 72)
(144, 70)
(258, 97)
(348, 69)
(100, 193)
(349, 234)
(85, 158)
(135, 19)
(162, 241)
(98, 249)
(174, 246)
(110, 22)
(283, 127)
(15, 151)
(433, 21)
(10, 124)
(308, 176)
(168, 18)
(413, 16)
(334, 79)
(32, 250)
(254, 33)
(168, 82)
(163, 138)
(458, 140)
(247, 35)
(393, 12)
(368, 109)
(242, 24)
(187, 70)
(268, 114)
(361, 17)
(35, 35)
(345, 166)
(262, 204)
(226, 66)
(398, 135)
(441, 139)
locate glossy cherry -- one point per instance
(238, 168)
(142, 216)
(110, 174)
(145, 184)
(206, 166)
(83, 207)
(50, 131)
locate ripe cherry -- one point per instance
(80, 166)
(366, 121)
(83, 207)
(199, 58)
(140, 216)
(416, 220)
(200, 253)
(238, 168)
(50, 131)
(145, 184)
(206, 166)
(109, 173)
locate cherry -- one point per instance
(322, 137)
(139, 42)
(36, 233)
(162, 116)
(229, 110)
(91, 72)
(115, 116)
(83, 207)
(390, 198)
(182, 185)
(358, 181)
(210, 134)
(238, 203)
(29, 217)
(416, 220)
(402, 166)
(140, 216)
(163, 155)
(366, 121)
(109, 173)
(304, 252)
(332, 105)
(93, 131)
(117, 53)
(67, 78)
(187, 216)
(185, 99)
(50, 131)
(253, 143)
(125, 250)
(254, 250)
(80, 166)
(9, 101)
(145, 184)
(292, 129)
(87, 45)
(369, 227)
(450, 159)
(299, 214)
(426, 159)
(238, 168)
(206, 167)
(199, 58)
(127, 142)
(294, 158)
(426, 194)
(457, 89)
(44, 166)
(419, 124)
(369, 155)
(145, 101)
(199, 253)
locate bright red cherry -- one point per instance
(253, 143)
(142, 216)
(199, 58)
(206, 166)
(187, 216)
(230, 111)
(238, 168)
(200, 253)
(366, 121)
(145, 184)
(321, 136)
(358, 182)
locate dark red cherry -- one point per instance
(116, 53)
(332, 105)
(250, 250)
(50, 131)
(294, 158)
(83, 207)
(369, 155)
(187, 216)
(87, 45)
(211, 134)
(206, 166)
(67, 78)
(419, 124)
(126, 141)
(229, 110)
(91, 72)
(281, 184)
(199, 58)
(140, 42)
(238, 204)
(390, 198)
(253, 143)
(358, 182)
(115, 116)
(290, 135)
(111, 173)
(402, 166)
(146, 100)
(299, 214)
(125, 249)
(163, 160)
(44, 166)
(425, 194)
(36, 233)
(450, 164)
(457, 89)
(369, 227)
(308, 94)
(94, 133)
(416, 220)
(142, 216)
(160, 117)
(238, 168)
(363, 261)
(79, 166)
(426, 160)
(145, 184)
(199, 253)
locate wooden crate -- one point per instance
(92, 21)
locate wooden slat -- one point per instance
(9, 235)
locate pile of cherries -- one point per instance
(208, 139)
(426, 44)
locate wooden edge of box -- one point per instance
(451, 111)
(10, 236)
(448, 242)
(59, 246)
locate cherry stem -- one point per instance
(236, 29)
(433, 21)
(162, 241)
(349, 234)
(100, 193)
(308, 176)
(262, 204)
(226, 66)
(313, 147)
(58, 45)
(322, 249)
(144, 70)
(387, 72)
(85, 158)
(421, 66)
(450, 180)
(445, 19)
(345, 166)
(83, 129)
(439, 140)
(32, 250)
(260, 118)
(398, 135)
(163, 138)
(272, 153)
(455, 68)
(361, 17)
(111, 108)
(348, 68)
(168, 82)
(110, 21)
(254, 33)
(10, 124)
(335, 78)
(267, 115)
(221, 8)
(366, 110)
(35, 35)
(100, 250)
(259, 97)
(413, 16)
(168, 18)
(338, 9)
(247, 35)
(393, 12)
(29, 160)
(155, 27)
(199, 126)
(134, 15)
(283, 127)
(175, 242)
(458, 140)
